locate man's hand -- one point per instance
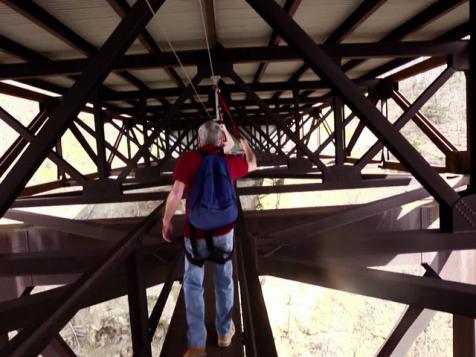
(249, 154)
(244, 144)
(167, 229)
(227, 140)
(173, 200)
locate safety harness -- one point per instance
(216, 254)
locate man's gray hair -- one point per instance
(210, 133)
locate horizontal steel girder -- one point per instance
(237, 55)
(453, 297)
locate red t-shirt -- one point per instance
(187, 168)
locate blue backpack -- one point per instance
(212, 201)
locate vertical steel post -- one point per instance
(59, 150)
(339, 128)
(137, 297)
(463, 336)
(100, 139)
(297, 118)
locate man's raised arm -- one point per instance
(228, 141)
(249, 154)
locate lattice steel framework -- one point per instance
(328, 246)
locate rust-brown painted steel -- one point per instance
(279, 247)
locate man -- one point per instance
(212, 138)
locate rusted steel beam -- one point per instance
(175, 341)
(68, 260)
(18, 264)
(46, 21)
(15, 314)
(159, 306)
(380, 243)
(453, 297)
(58, 348)
(259, 339)
(359, 15)
(29, 55)
(354, 138)
(400, 339)
(44, 187)
(19, 50)
(330, 137)
(415, 319)
(278, 121)
(268, 86)
(117, 142)
(59, 224)
(428, 15)
(307, 137)
(186, 93)
(296, 116)
(408, 114)
(42, 66)
(437, 138)
(327, 69)
(32, 340)
(397, 166)
(103, 167)
(339, 131)
(84, 143)
(72, 103)
(316, 125)
(211, 29)
(71, 198)
(60, 175)
(365, 9)
(290, 6)
(304, 233)
(457, 33)
(276, 146)
(137, 298)
(417, 68)
(112, 148)
(178, 144)
(53, 156)
(20, 143)
(19, 92)
(436, 9)
(122, 7)
(374, 98)
(464, 336)
(160, 109)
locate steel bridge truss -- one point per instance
(302, 136)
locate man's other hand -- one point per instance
(167, 229)
(250, 155)
(227, 140)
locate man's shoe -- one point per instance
(195, 352)
(225, 341)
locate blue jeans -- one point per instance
(193, 292)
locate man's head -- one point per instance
(210, 133)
